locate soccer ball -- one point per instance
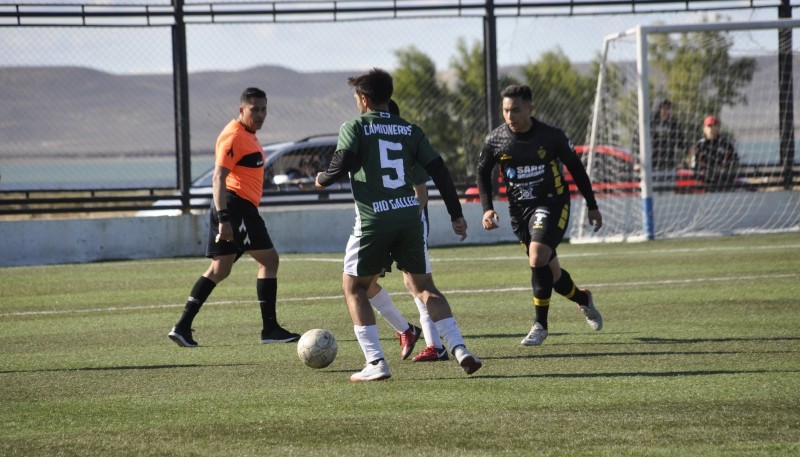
(317, 348)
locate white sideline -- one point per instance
(446, 292)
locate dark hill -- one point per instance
(68, 110)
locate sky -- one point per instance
(312, 47)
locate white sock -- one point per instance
(429, 330)
(384, 305)
(367, 336)
(450, 332)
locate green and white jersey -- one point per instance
(387, 148)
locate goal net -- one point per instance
(693, 132)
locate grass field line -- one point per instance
(583, 254)
(664, 282)
(302, 258)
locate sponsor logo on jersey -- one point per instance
(387, 129)
(381, 206)
(529, 171)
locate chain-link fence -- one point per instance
(88, 94)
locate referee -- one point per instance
(235, 224)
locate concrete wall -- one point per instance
(326, 228)
(293, 229)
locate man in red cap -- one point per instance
(714, 158)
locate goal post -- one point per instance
(728, 70)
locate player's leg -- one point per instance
(223, 254)
(407, 332)
(267, 294)
(542, 284)
(253, 236)
(543, 230)
(409, 252)
(441, 313)
(564, 285)
(364, 259)
(434, 349)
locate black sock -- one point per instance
(267, 292)
(200, 291)
(566, 287)
(542, 282)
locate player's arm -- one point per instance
(581, 178)
(420, 180)
(341, 163)
(219, 193)
(421, 191)
(441, 177)
(486, 163)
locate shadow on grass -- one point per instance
(633, 374)
(635, 340)
(134, 367)
(626, 354)
(714, 340)
(522, 333)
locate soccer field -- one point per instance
(699, 355)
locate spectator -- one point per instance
(668, 140)
(714, 158)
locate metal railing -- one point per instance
(180, 12)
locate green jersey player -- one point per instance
(378, 150)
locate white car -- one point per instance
(289, 174)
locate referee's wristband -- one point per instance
(223, 215)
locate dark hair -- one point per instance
(376, 85)
(517, 91)
(393, 108)
(252, 93)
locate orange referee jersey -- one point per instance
(240, 152)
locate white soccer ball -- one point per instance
(317, 348)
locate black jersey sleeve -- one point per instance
(573, 163)
(441, 177)
(486, 163)
(341, 163)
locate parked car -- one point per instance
(614, 173)
(289, 172)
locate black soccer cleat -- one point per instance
(182, 337)
(278, 335)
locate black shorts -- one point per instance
(249, 230)
(546, 224)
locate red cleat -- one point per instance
(431, 354)
(408, 339)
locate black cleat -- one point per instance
(278, 335)
(182, 337)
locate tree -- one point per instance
(698, 73)
(562, 96)
(469, 102)
(453, 115)
(424, 101)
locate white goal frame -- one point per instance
(581, 232)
